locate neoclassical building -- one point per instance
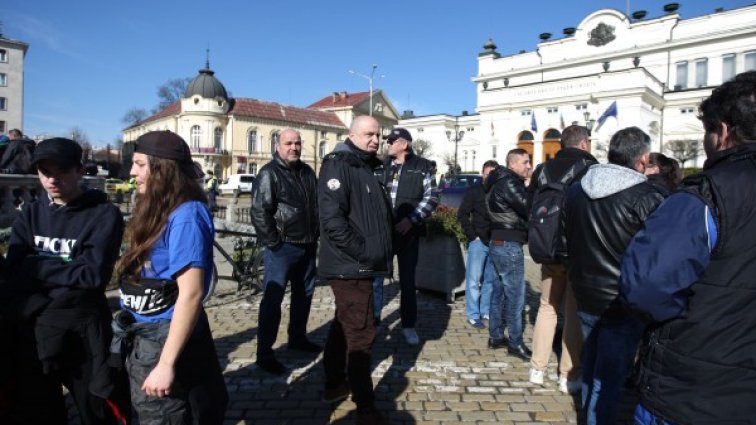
(632, 70)
(12, 54)
(238, 135)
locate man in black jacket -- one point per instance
(285, 215)
(691, 272)
(60, 258)
(479, 275)
(574, 158)
(601, 215)
(355, 222)
(411, 182)
(507, 206)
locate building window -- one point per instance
(323, 134)
(339, 136)
(581, 107)
(750, 61)
(493, 152)
(196, 136)
(3, 55)
(687, 110)
(3, 79)
(702, 66)
(252, 141)
(3, 106)
(218, 139)
(322, 149)
(728, 67)
(274, 141)
(681, 82)
(420, 129)
(552, 109)
(526, 112)
(253, 168)
(470, 129)
(2, 126)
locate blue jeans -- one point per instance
(477, 290)
(608, 352)
(377, 296)
(508, 291)
(293, 263)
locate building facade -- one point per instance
(238, 135)
(610, 72)
(12, 54)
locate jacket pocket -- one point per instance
(372, 255)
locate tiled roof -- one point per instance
(341, 99)
(172, 109)
(246, 107)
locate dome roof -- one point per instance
(206, 85)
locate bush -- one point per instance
(443, 222)
(690, 171)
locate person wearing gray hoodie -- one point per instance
(601, 215)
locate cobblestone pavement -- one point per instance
(450, 378)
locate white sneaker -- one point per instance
(536, 376)
(567, 386)
(411, 336)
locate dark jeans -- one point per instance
(406, 254)
(508, 294)
(608, 352)
(293, 263)
(350, 339)
(198, 395)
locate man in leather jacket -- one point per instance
(285, 215)
(355, 220)
(507, 206)
(691, 270)
(602, 213)
(411, 182)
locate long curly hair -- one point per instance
(167, 188)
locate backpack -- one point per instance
(545, 233)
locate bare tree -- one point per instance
(134, 116)
(451, 166)
(421, 147)
(79, 136)
(683, 150)
(171, 91)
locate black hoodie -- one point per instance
(54, 248)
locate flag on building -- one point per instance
(561, 121)
(533, 125)
(611, 111)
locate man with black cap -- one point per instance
(62, 249)
(411, 181)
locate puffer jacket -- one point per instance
(507, 205)
(355, 216)
(285, 203)
(601, 216)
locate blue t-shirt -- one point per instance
(186, 242)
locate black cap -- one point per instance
(64, 152)
(168, 145)
(398, 133)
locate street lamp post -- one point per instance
(457, 137)
(370, 81)
(588, 121)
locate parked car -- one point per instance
(237, 182)
(453, 188)
(115, 185)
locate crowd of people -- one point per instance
(652, 274)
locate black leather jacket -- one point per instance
(507, 205)
(285, 203)
(355, 216)
(601, 216)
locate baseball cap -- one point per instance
(168, 145)
(64, 152)
(398, 133)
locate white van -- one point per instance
(240, 182)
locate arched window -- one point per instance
(322, 149)
(218, 139)
(274, 141)
(252, 141)
(525, 136)
(552, 134)
(196, 136)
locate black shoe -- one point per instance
(305, 346)
(492, 343)
(272, 366)
(334, 395)
(520, 351)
